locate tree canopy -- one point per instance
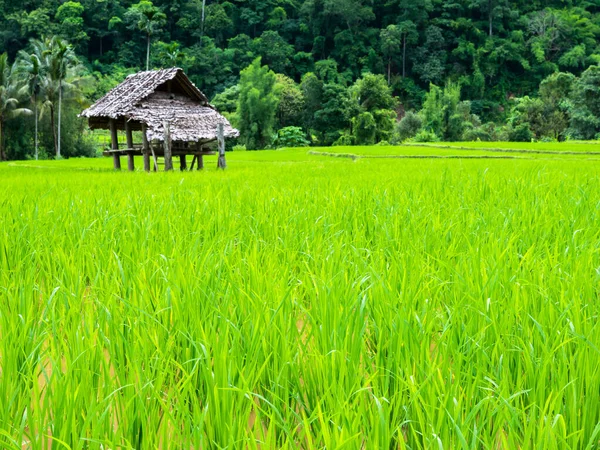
(342, 71)
(495, 48)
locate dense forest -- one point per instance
(298, 72)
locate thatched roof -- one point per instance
(157, 96)
(186, 118)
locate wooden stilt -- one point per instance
(183, 163)
(200, 158)
(155, 159)
(146, 149)
(130, 157)
(193, 162)
(221, 164)
(114, 137)
(167, 143)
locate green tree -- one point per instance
(556, 89)
(61, 61)
(333, 116)
(257, 105)
(352, 13)
(145, 17)
(35, 23)
(32, 70)
(217, 23)
(226, 102)
(312, 91)
(291, 102)
(554, 93)
(545, 28)
(432, 112)
(492, 10)
(327, 71)
(412, 16)
(242, 50)
(48, 104)
(386, 121)
(376, 102)
(585, 109)
(365, 129)
(193, 19)
(444, 114)
(408, 31)
(531, 112)
(274, 50)
(9, 98)
(70, 16)
(415, 10)
(277, 18)
(171, 54)
(373, 93)
(431, 57)
(203, 20)
(391, 40)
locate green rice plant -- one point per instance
(298, 301)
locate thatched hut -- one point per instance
(173, 115)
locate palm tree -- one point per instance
(30, 65)
(58, 79)
(48, 101)
(9, 100)
(58, 66)
(203, 20)
(61, 62)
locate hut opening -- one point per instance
(174, 117)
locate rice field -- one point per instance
(303, 301)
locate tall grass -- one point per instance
(322, 303)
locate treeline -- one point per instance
(272, 110)
(494, 53)
(494, 48)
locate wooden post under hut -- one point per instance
(200, 156)
(114, 140)
(130, 155)
(154, 158)
(168, 148)
(221, 164)
(145, 148)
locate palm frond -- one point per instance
(21, 112)
(45, 107)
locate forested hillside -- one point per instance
(490, 51)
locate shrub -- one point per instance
(365, 129)
(344, 140)
(291, 137)
(385, 121)
(521, 133)
(408, 127)
(426, 136)
(477, 134)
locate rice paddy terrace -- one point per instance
(441, 296)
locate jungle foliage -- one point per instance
(495, 66)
